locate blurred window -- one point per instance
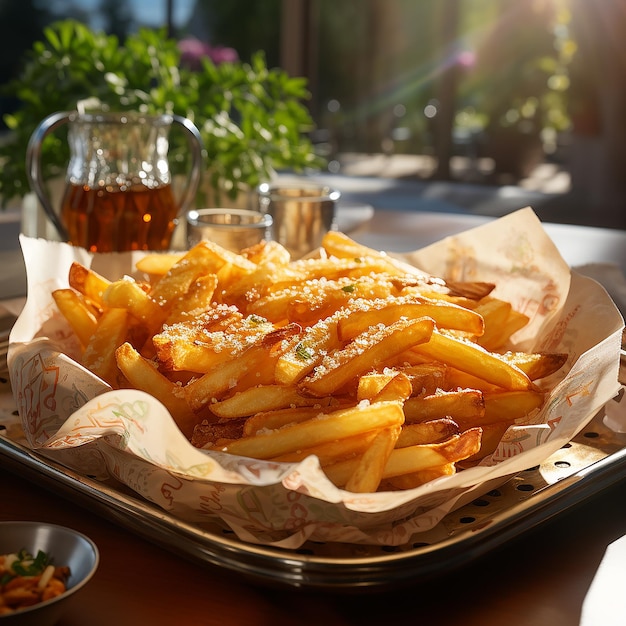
(493, 84)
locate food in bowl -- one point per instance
(74, 559)
(27, 579)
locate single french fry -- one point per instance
(128, 294)
(431, 431)
(307, 351)
(215, 336)
(176, 283)
(491, 437)
(158, 263)
(354, 267)
(415, 458)
(88, 282)
(223, 377)
(198, 299)
(473, 290)
(494, 312)
(536, 365)
(371, 384)
(426, 378)
(458, 404)
(336, 425)
(510, 405)
(277, 418)
(268, 253)
(398, 388)
(216, 257)
(368, 472)
(179, 355)
(143, 375)
(501, 324)
(389, 310)
(330, 452)
(516, 321)
(421, 477)
(99, 353)
(261, 398)
(471, 358)
(455, 379)
(77, 313)
(365, 353)
(339, 245)
(466, 303)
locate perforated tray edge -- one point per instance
(594, 461)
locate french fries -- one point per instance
(76, 310)
(142, 375)
(368, 350)
(88, 283)
(369, 470)
(391, 377)
(411, 459)
(100, 353)
(324, 428)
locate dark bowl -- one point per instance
(66, 547)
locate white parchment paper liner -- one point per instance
(71, 416)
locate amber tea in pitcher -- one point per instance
(107, 219)
(118, 189)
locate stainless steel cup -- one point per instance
(302, 213)
(233, 229)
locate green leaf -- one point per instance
(27, 565)
(303, 353)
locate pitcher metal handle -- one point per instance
(33, 167)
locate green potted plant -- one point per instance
(252, 118)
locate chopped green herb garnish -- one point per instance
(27, 565)
(303, 353)
(349, 288)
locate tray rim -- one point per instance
(298, 569)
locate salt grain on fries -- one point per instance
(391, 377)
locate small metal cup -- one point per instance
(302, 213)
(233, 229)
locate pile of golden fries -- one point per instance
(391, 377)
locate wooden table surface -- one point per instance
(540, 578)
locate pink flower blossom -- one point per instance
(466, 58)
(193, 51)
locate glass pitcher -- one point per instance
(118, 187)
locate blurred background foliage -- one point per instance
(385, 75)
